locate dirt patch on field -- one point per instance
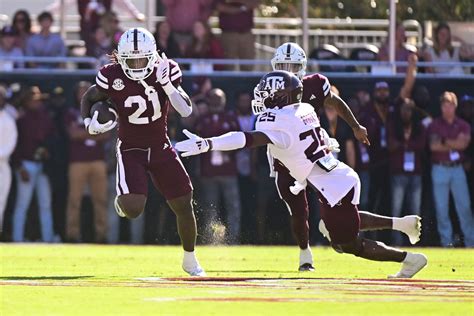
(286, 289)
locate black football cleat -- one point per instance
(306, 267)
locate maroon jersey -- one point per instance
(440, 129)
(142, 118)
(316, 88)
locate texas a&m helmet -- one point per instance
(276, 89)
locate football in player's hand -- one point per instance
(106, 112)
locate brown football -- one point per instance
(106, 112)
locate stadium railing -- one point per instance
(274, 31)
(205, 67)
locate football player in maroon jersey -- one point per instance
(317, 92)
(143, 85)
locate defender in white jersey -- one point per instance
(298, 142)
(291, 130)
(317, 92)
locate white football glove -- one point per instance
(195, 145)
(93, 127)
(298, 187)
(331, 143)
(163, 74)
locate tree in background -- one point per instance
(421, 10)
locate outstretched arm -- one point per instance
(410, 78)
(360, 132)
(230, 141)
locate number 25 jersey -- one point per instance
(295, 133)
(142, 117)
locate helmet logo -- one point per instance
(118, 84)
(274, 83)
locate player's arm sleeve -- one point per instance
(102, 81)
(237, 140)
(179, 99)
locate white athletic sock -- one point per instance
(306, 256)
(398, 224)
(189, 259)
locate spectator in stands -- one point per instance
(7, 145)
(201, 87)
(444, 51)
(267, 194)
(203, 45)
(466, 112)
(45, 43)
(219, 169)
(100, 47)
(87, 167)
(358, 105)
(422, 99)
(402, 50)
(22, 25)
(236, 23)
(449, 136)
(375, 118)
(165, 40)
(363, 96)
(91, 11)
(406, 145)
(8, 37)
(56, 166)
(337, 128)
(202, 107)
(245, 166)
(35, 130)
(109, 22)
(182, 14)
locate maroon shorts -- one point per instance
(165, 169)
(295, 203)
(342, 221)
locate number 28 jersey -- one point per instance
(296, 136)
(142, 117)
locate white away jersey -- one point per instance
(296, 135)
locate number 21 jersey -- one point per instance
(142, 117)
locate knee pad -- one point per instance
(132, 208)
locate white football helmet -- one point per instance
(136, 53)
(290, 57)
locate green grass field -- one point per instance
(247, 280)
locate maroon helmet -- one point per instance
(276, 89)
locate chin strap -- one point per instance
(148, 89)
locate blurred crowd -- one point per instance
(63, 180)
(416, 164)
